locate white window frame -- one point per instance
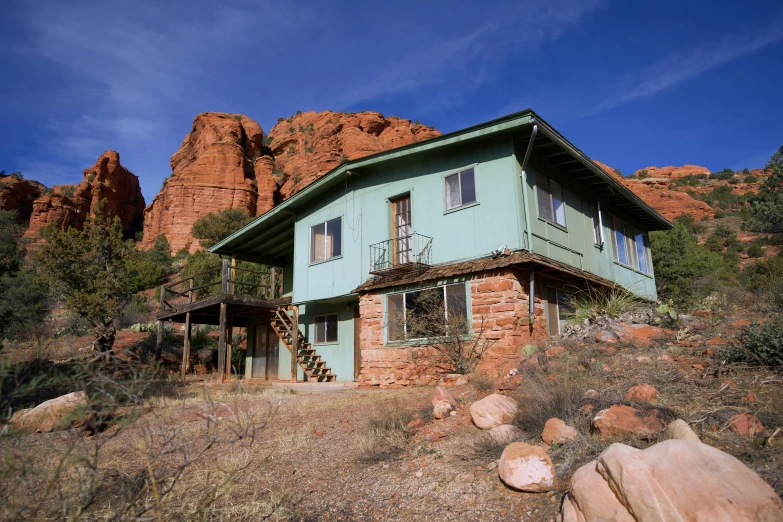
(599, 240)
(459, 185)
(326, 332)
(325, 224)
(630, 234)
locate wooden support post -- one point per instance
(233, 274)
(186, 349)
(272, 283)
(224, 277)
(229, 346)
(294, 342)
(162, 297)
(221, 369)
(159, 343)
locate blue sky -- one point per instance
(630, 83)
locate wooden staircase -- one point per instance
(314, 367)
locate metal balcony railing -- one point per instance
(410, 252)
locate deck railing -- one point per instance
(410, 252)
(227, 280)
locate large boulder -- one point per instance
(493, 410)
(55, 414)
(526, 468)
(675, 480)
(678, 429)
(621, 420)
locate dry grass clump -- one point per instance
(482, 382)
(385, 435)
(591, 303)
(543, 397)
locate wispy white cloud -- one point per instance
(684, 66)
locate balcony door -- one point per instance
(402, 242)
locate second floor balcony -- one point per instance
(405, 253)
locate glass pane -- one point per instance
(542, 193)
(596, 226)
(557, 202)
(629, 235)
(641, 253)
(457, 309)
(452, 191)
(621, 243)
(320, 329)
(334, 241)
(317, 236)
(396, 317)
(468, 186)
(425, 314)
(331, 328)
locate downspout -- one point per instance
(523, 175)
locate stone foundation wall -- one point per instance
(499, 309)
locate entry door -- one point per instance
(266, 354)
(401, 230)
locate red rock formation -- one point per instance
(673, 172)
(218, 166)
(18, 194)
(69, 205)
(659, 194)
(223, 164)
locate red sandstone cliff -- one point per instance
(659, 194)
(69, 205)
(18, 194)
(223, 163)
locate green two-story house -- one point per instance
(489, 215)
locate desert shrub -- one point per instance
(385, 436)
(482, 382)
(722, 175)
(211, 228)
(542, 398)
(766, 207)
(755, 250)
(592, 302)
(760, 344)
(764, 274)
(688, 222)
(136, 312)
(750, 179)
(685, 271)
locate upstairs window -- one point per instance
(551, 205)
(598, 234)
(631, 247)
(428, 313)
(460, 189)
(326, 240)
(326, 328)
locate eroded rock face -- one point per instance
(19, 194)
(223, 163)
(70, 205)
(672, 480)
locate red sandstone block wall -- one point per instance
(499, 302)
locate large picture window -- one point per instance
(460, 189)
(326, 328)
(551, 205)
(326, 240)
(428, 313)
(631, 247)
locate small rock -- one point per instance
(606, 336)
(509, 383)
(441, 410)
(453, 413)
(642, 393)
(419, 474)
(703, 313)
(749, 397)
(591, 394)
(526, 468)
(697, 366)
(504, 434)
(745, 425)
(555, 351)
(643, 359)
(442, 394)
(557, 431)
(415, 424)
(620, 421)
(679, 430)
(493, 410)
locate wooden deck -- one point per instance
(207, 311)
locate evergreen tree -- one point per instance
(767, 207)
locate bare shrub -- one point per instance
(385, 435)
(445, 326)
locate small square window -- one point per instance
(460, 189)
(326, 240)
(326, 328)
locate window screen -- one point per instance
(460, 189)
(326, 328)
